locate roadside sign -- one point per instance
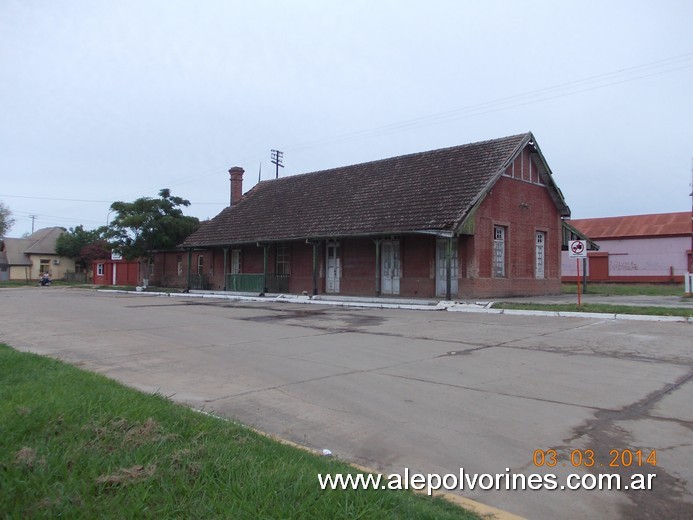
(577, 249)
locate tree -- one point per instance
(82, 246)
(6, 220)
(147, 225)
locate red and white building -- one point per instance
(636, 248)
(117, 271)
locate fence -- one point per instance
(198, 282)
(253, 283)
(76, 277)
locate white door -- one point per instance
(390, 267)
(235, 261)
(334, 267)
(442, 267)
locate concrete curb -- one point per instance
(417, 305)
(572, 314)
(483, 510)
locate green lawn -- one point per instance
(34, 283)
(597, 307)
(624, 289)
(75, 444)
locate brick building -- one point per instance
(117, 271)
(478, 220)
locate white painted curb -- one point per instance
(372, 303)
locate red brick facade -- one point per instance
(522, 208)
(386, 227)
(116, 272)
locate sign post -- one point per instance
(577, 249)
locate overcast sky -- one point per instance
(114, 100)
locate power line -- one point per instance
(40, 216)
(598, 81)
(534, 96)
(53, 198)
(570, 88)
(83, 200)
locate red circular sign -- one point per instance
(577, 247)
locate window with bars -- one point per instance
(498, 251)
(540, 250)
(235, 261)
(200, 264)
(283, 259)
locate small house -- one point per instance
(30, 257)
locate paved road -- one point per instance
(393, 389)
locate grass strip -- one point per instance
(78, 445)
(627, 289)
(597, 307)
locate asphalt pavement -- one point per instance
(400, 389)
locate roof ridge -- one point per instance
(403, 156)
(409, 193)
(639, 215)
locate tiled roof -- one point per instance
(423, 191)
(14, 250)
(657, 225)
(44, 241)
(41, 242)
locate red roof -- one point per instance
(658, 225)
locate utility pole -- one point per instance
(688, 281)
(33, 218)
(690, 268)
(277, 157)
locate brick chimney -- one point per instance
(236, 174)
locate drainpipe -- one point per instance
(265, 262)
(187, 288)
(448, 269)
(378, 286)
(315, 244)
(226, 256)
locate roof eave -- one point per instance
(324, 236)
(554, 190)
(476, 202)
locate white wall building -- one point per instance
(637, 248)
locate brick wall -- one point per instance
(522, 208)
(518, 202)
(358, 267)
(301, 279)
(418, 253)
